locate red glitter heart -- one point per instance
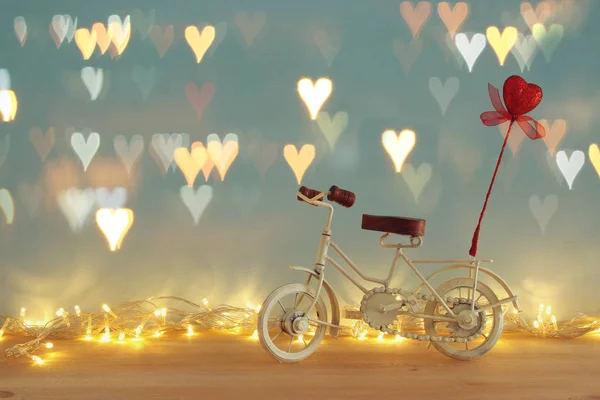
(520, 97)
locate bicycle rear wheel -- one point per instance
(487, 325)
(284, 329)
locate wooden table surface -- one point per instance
(228, 366)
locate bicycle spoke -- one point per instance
(466, 345)
(296, 300)
(276, 336)
(290, 346)
(484, 335)
(478, 298)
(305, 344)
(282, 307)
(301, 298)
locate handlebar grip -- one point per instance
(344, 198)
(310, 193)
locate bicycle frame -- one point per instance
(415, 242)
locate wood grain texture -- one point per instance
(227, 366)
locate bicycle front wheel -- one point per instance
(284, 328)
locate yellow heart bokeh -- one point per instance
(200, 42)
(299, 161)
(207, 167)
(114, 224)
(103, 36)
(502, 43)
(7, 205)
(190, 163)
(86, 42)
(120, 34)
(398, 146)
(222, 154)
(8, 105)
(594, 154)
(315, 94)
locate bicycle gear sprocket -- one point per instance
(470, 322)
(372, 304)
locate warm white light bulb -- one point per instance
(206, 304)
(106, 336)
(108, 310)
(49, 345)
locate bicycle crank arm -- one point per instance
(499, 303)
(392, 307)
(324, 323)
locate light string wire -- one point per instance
(131, 320)
(141, 319)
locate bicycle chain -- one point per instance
(405, 295)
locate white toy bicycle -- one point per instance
(462, 318)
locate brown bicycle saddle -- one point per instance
(398, 225)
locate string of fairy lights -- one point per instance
(139, 320)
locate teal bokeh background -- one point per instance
(254, 228)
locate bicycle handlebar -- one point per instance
(345, 198)
(310, 193)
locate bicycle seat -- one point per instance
(398, 225)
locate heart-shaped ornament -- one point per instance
(521, 97)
